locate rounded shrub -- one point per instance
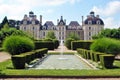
(18, 44)
(106, 45)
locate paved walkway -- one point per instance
(61, 48)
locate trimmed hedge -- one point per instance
(92, 56)
(44, 44)
(88, 54)
(81, 44)
(56, 43)
(97, 56)
(68, 42)
(20, 60)
(107, 61)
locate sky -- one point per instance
(71, 10)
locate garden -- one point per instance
(26, 51)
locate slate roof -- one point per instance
(74, 23)
(49, 24)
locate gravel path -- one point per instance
(4, 56)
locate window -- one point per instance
(25, 28)
(89, 33)
(78, 33)
(89, 22)
(98, 22)
(61, 23)
(33, 22)
(43, 33)
(89, 28)
(33, 28)
(25, 22)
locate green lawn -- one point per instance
(6, 69)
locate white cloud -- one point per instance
(109, 12)
(111, 8)
(15, 8)
(109, 22)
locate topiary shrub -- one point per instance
(106, 45)
(97, 56)
(107, 61)
(18, 61)
(18, 44)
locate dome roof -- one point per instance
(92, 19)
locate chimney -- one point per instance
(57, 21)
(97, 16)
(41, 19)
(35, 17)
(25, 16)
(65, 21)
(61, 17)
(82, 20)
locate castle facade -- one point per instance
(91, 26)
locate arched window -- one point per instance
(98, 22)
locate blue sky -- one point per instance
(71, 10)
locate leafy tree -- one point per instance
(5, 26)
(73, 36)
(110, 33)
(50, 35)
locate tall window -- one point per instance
(89, 28)
(43, 33)
(89, 33)
(33, 28)
(25, 28)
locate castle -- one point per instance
(92, 25)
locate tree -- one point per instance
(5, 20)
(110, 33)
(73, 36)
(50, 35)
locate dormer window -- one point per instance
(33, 22)
(89, 22)
(25, 22)
(98, 22)
(61, 23)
